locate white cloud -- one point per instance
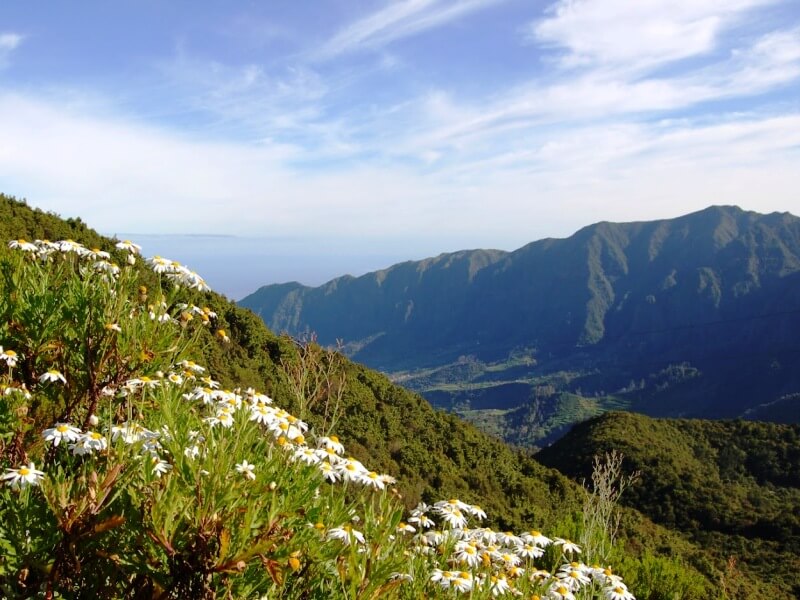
(639, 34)
(595, 94)
(8, 43)
(398, 20)
(127, 177)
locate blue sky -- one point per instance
(398, 128)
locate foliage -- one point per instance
(129, 472)
(733, 486)
(434, 454)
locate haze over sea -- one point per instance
(236, 266)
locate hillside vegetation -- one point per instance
(691, 316)
(433, 454)
(732, 486)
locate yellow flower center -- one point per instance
(24, 471)
(62, 429)
(334, 439)
(619, 590)
(95, 436)
(10, 353)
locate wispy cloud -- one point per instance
(396, 21)
(768, 63)
(636, 35)
(8, 43)
(594, 120)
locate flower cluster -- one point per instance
(481, 558)
(101, 259)
(178, 273)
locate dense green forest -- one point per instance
(732, 486)
(434, 454)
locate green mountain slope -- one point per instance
(690, 316)
(433, 453)
(733, 486)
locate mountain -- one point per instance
(692, 316)
(727, 484)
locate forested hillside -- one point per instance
(733, 486)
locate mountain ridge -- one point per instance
(717, 290)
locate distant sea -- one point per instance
(237, 266)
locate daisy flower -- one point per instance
(94, 440)
(443, 578)
(467, 553)
(192, 366)
(574, 579)
(559, 591)
(70, 246)
(332, 443)
(462, 581)
(61, 432)
(535, 537)
(619, 592)
(346, 534)
(329, 472)
(567, 546)
(373, 479)
(21, 244)
(97, 254)
(9, 356)
(129, 246)
(423, 521)
(246, 469)
(405, 528)
(23, 476)
(160, 466)
(499, 585)
(529, 551)
(307, 455)
(160, 265)
(351, 469)
(52, 375)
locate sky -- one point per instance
(334, 136)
